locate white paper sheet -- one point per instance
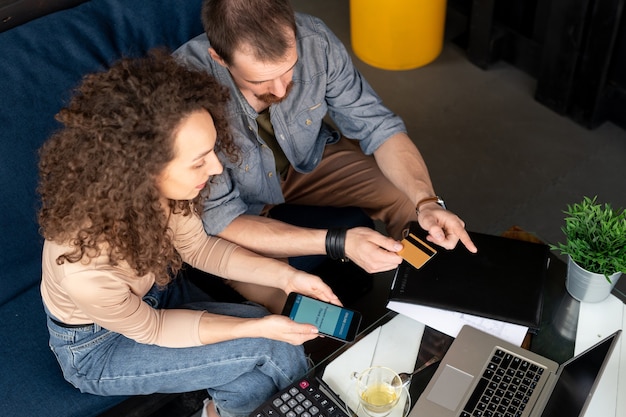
(451, 322)
(394, 345)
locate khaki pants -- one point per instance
(347, 177)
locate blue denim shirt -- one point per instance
(325, 82)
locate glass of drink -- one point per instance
(379, 389)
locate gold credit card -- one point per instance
(415, 251)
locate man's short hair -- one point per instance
(267, 26)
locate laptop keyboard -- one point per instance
(504, 388)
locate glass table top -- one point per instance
(555, 339)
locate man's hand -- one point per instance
(372, 251)
(444, 227)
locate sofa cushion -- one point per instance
(30, 379)
(41, 61)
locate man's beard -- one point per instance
(269, 98)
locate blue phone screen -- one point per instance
(328, 318)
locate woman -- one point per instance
(119, 186)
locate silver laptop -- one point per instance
(482, 375)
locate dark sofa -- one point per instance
(46, 47)
(41, 61)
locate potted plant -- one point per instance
(596, 248)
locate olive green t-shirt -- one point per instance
(266, 131)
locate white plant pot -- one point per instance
(587, 286)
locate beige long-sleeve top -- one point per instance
(111, 296)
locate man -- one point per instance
(286, 72)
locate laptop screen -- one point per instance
(576, 382)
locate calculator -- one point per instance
(303, 398)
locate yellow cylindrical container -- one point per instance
(397, 34)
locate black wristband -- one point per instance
(336, 243)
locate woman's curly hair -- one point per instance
(97, 174)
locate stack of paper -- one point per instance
(451, 322)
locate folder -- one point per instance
(503, 281)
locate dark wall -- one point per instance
(576, 49)
(618, 70)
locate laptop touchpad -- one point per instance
(450, 387)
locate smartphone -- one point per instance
(331, 320)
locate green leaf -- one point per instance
(595, 236)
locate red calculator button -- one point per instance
(304, 384)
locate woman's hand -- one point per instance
(216, 328)
(310, 285)
(286, 330)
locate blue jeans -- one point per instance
(238, 374)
